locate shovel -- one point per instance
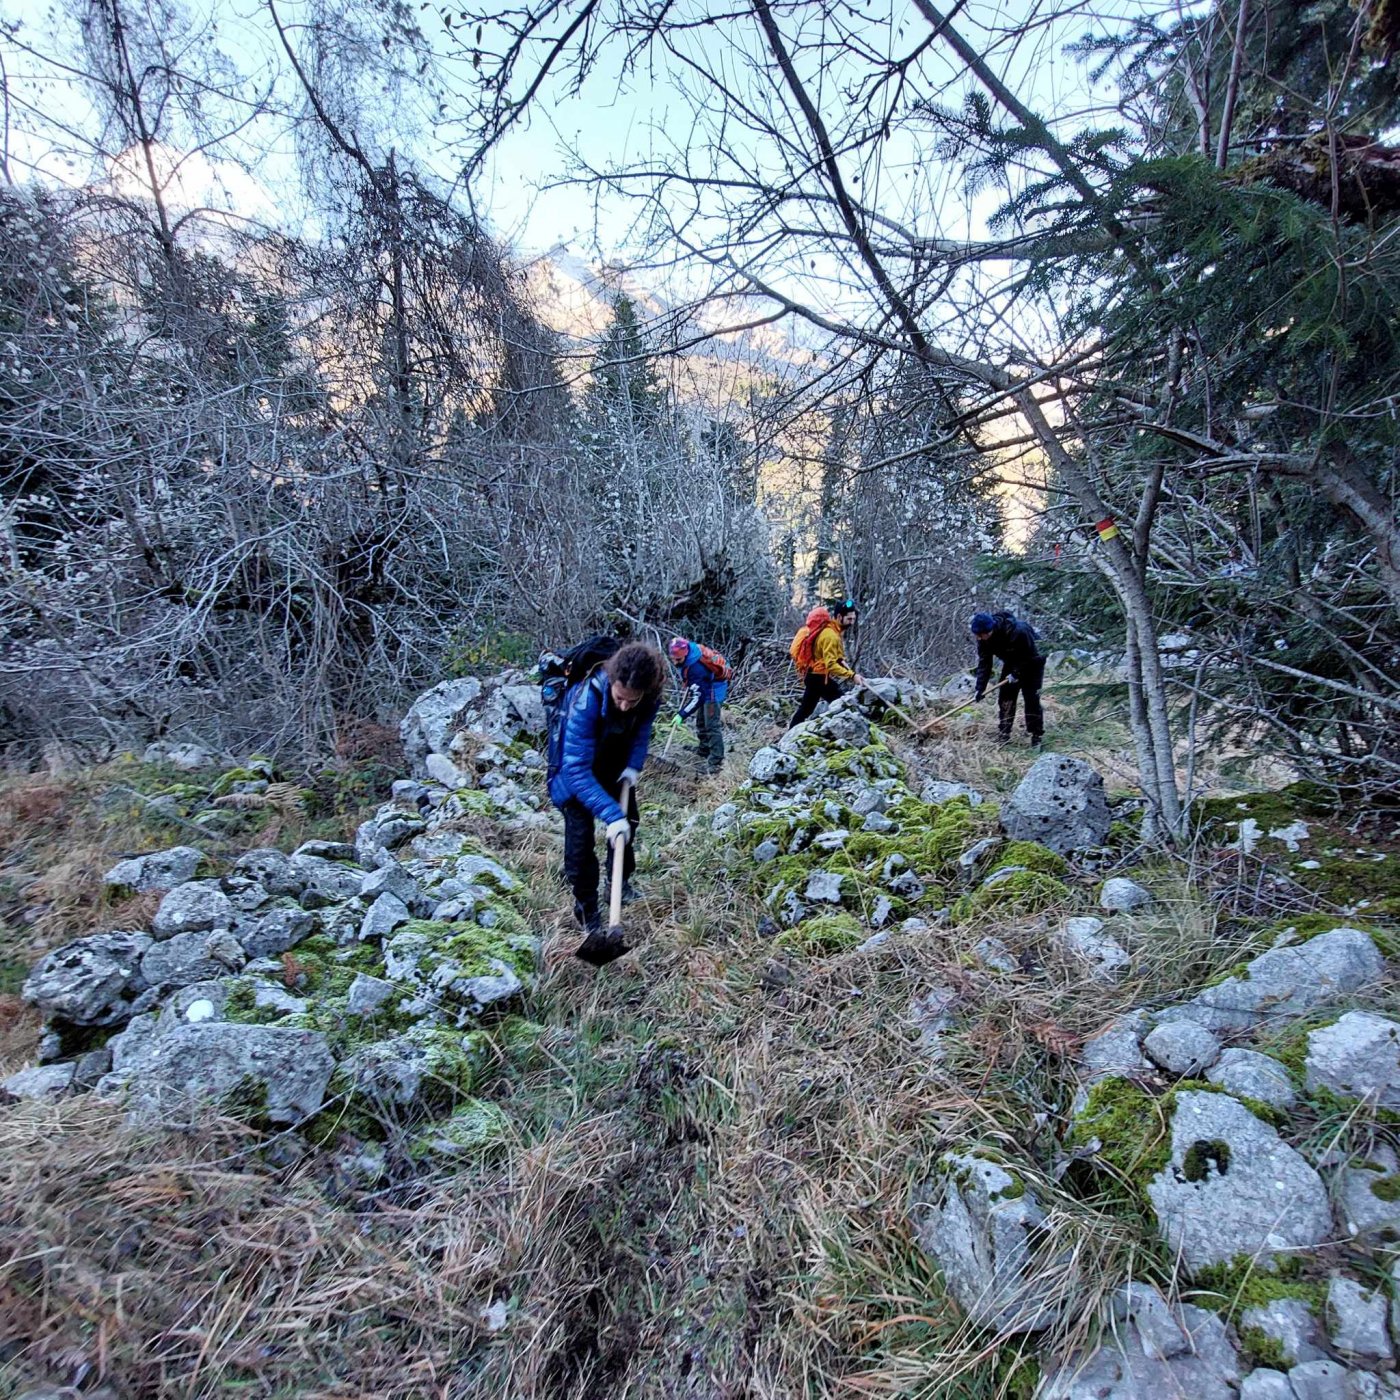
(927, 725)
(600, 948)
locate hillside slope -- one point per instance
(889, 1100)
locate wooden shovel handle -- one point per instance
(619, 849)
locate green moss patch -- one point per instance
(822, 936)
(1022, 892)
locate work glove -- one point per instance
(691, 703)
(629, 775)
(620, 830)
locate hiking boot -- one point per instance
(1003, 738)
(630, 894)
(1036, 740)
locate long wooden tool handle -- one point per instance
(619, 849)
(947, 714)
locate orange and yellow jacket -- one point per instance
(818, 647)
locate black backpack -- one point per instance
(558, 677)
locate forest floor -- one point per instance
(714, 1144)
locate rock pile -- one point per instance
(341, 988)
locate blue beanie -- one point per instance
(982, 622)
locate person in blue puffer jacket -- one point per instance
(705, 674)
(606, 732)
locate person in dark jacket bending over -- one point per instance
(606, 733)
(1003, 637)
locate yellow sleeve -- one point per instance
(830, 655)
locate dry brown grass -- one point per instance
(707, 1193)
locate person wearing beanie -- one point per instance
(819, 655)
(1001, 636)
(705, 675)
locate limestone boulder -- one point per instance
(1153, 1351)
(1233, 1188)
(273, 1072)
(92, 981)
(1285, 983)
(192, 907)
(433, 718)
(983, 1229)
(1059, 803)
(161, 870)
(1358, 1057)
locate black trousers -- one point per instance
(815, 688)
(581, 855)
(709, 725)
(1027, 685)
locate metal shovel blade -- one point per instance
(600, 948)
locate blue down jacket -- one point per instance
(600, 740)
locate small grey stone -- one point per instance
(389, 879)
(324, 882)
(1153, 1353)
(1120, 895)
(325, 850)
(192, 957)
(438, 768)
(1290, 1323)
(869, 799)
(981, 1226)
(994, 955)
(932, 1016)
(89, 1067)
(1115, 1051)
(1362, 1191)
(1251, 1075)
(830, 840)
(906, 885)
(43, 1082)
(161, 870)
(724, 818)
(878, 822)
(367, 994)
(1357, 1320)
(1001, 875)
(1084, 940)
(273, 930)
(882, 913)
(1183, 1049)
(977, 851)
(1233, 1187)
(766, 851)
(1358, 1056)
(271, 869)
(386, 914)
(191, 907)
(244, 894)
(268, 996)
(1319, 1380)
(482, 870)
(936, 792)
(824, 887)
(1263, 1384)
(791, 909)
(434, 717)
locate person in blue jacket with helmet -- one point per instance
(602, 744)
(705, 674)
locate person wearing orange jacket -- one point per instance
(820, 657)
